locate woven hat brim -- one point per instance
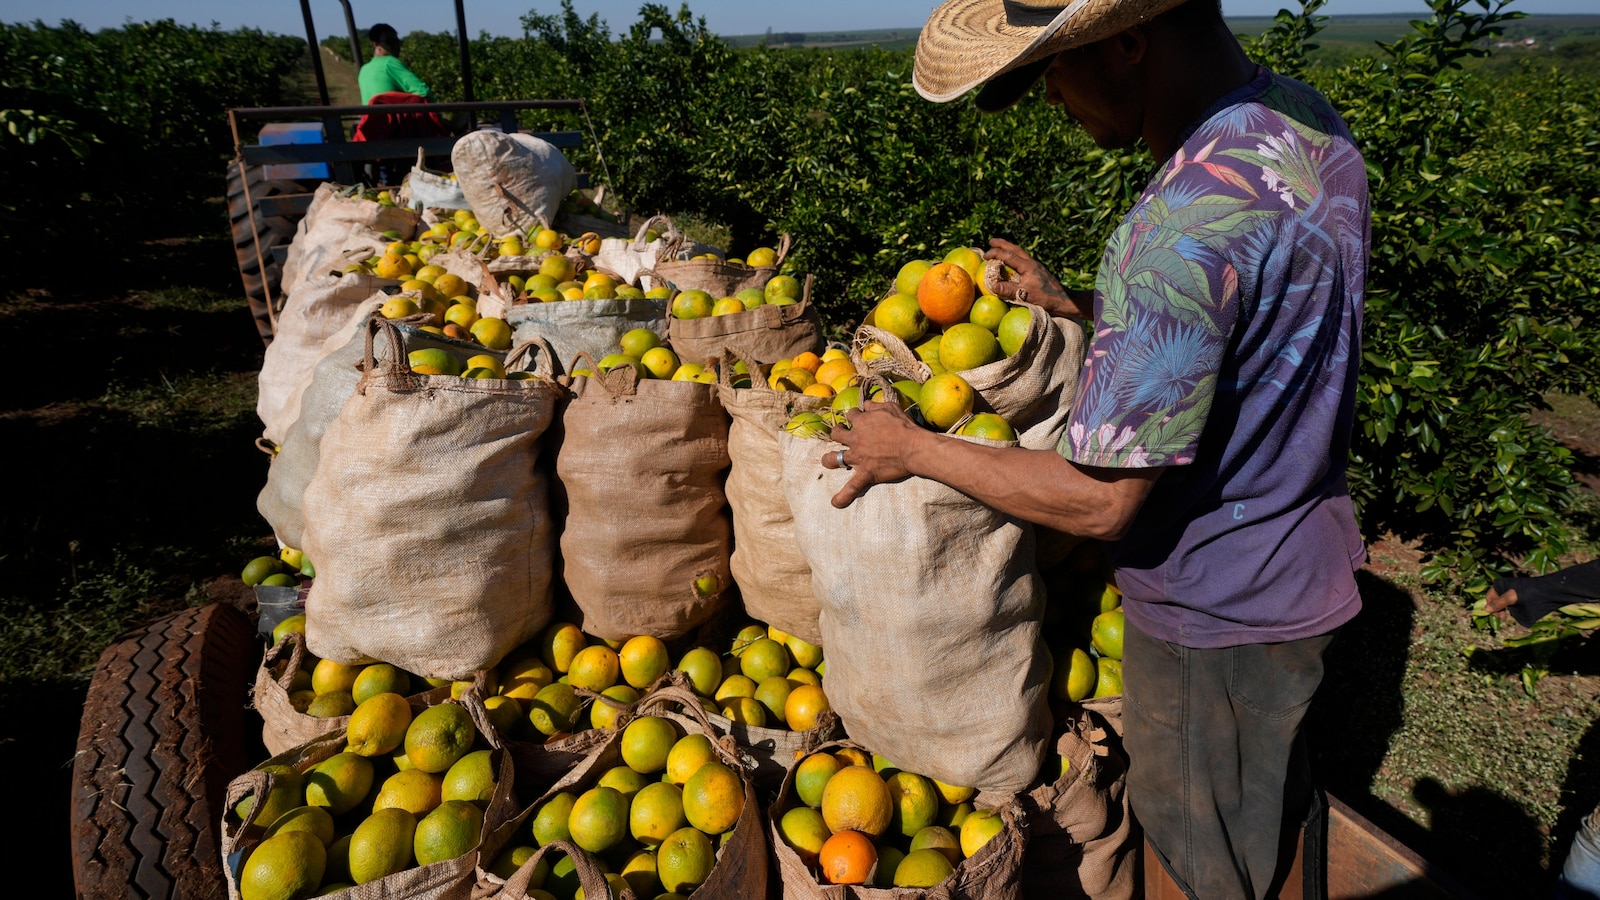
(966, 43)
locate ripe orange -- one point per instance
(647, 742)
(713, 797)
(847, 858)
(901, 316)
(684, 860)
(1109, 680)
(856, 799)
(945, 400)
(599, 819)
(687, 756)
(1107, 633)
(804, 831)
(808, 361)
(657, 812)
(812, 775)
(806, 702)
(967, 346)
(990, 426)
(922, 869)
(946, 294)
(594, 668)
(916, 802)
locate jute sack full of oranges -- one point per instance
(428, 518)
(512, 181)
(773, 576)
(329, 385)
(337, 215)
(766, 324)
(1081, 840)
(394, 805)
(930, 613)
(594, 320)
(848, 823)
(1021, 363)
(320, 309)
(301, 698)
(523, 874)
(713, 273)
(663, 806)
(647, 535)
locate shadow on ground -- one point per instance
(1358, 709)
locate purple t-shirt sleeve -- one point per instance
(1164, 310)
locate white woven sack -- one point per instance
(628, 256)
(424, 189)
(512, 181)
(429, 520)
(930, 612)
(317, 311)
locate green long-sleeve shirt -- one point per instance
(382, 74)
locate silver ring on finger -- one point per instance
(838, 459)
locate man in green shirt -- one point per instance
(385, 72)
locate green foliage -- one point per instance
(98, 126)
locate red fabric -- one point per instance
(384, 126)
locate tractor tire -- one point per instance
(162, 734)
(249, 227)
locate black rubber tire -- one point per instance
(260, 281)
(162, 734)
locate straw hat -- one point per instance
(1006, 45)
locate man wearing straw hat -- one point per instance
(1208, 443)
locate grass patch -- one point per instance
(186, 401)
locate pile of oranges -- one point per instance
(860, 820)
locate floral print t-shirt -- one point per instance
(1227, 335)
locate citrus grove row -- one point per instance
(568, 610)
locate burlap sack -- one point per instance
(592, 327)
(766, 334)
(428, 520)
(642, 464)
(320, 308)
(332, 381)
(1081, 837)
(450, 879)
(1033, 389)
(931, 618)
(339, 225)
(591, 877)
(628, 256)
(512, 181)
(282, 726)
(990, 874)
(773, 576)
(714, 276)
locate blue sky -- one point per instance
(503, 16)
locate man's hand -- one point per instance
(877, 444)
(1498, 602)
(1036, 285)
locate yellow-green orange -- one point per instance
(922, 869)
(339, 782)
(378, 725)
(772, 694)
(554, 709)
(1107, 633)
(310, 819)
(647, 742)
(657, 812)
(550, 822)
(803, 829)
(812, 775)
(687, 756)
(625, 781)
(684, 860)
(559, 644)
(900, 315)
(605, 715)
(978, 829)
(382, 845)
(330, 676)
(380, 678)
(1108, 677)
(916, 802)
(945, 400)
(856, 799)
(937, 837)
(331, 705)
(704, 669)
(288, 792)
(449, 831)
(438, 736)
(643, 659)
(599, 819)
(804, 706)
(471, 777)
(284, 867)
(763, 659)
(713, 797)
(594, 668)
(1014, 328)
(413, 790)
(1074, 676)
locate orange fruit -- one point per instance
(624, 781)
(382, 845)
(773, 693)
(647, 742)
(684, 860)
(603, 714)
(551, 821)
(916, 802)
(1108, 680)
(989, 311)
(856, 799)
(804, 831)
(967, 346)
(910, 276)
(599, 819)
(438, 736)
(889, 857)
(936, 837)
(594, 668)
(656, 812)
(812, 775)
(745, 711)
(453, 828)
(847, 858)
(990, 426)
(285, 865)
(415, 791)
(1074, 676)
(687, 756)
(946, 294)
(559, 644)
(339, 782)
(1014, 328)
(805, 703)
(1107, 633)
(922, 869)
(704, 669)
(978, 829)
(945, 400)
(901, 316)
(763, 659)
(733, 687)
(642, 659)
(713, 797)
(808, 361)
(851, 756)
(833, 369)
(472, 777)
